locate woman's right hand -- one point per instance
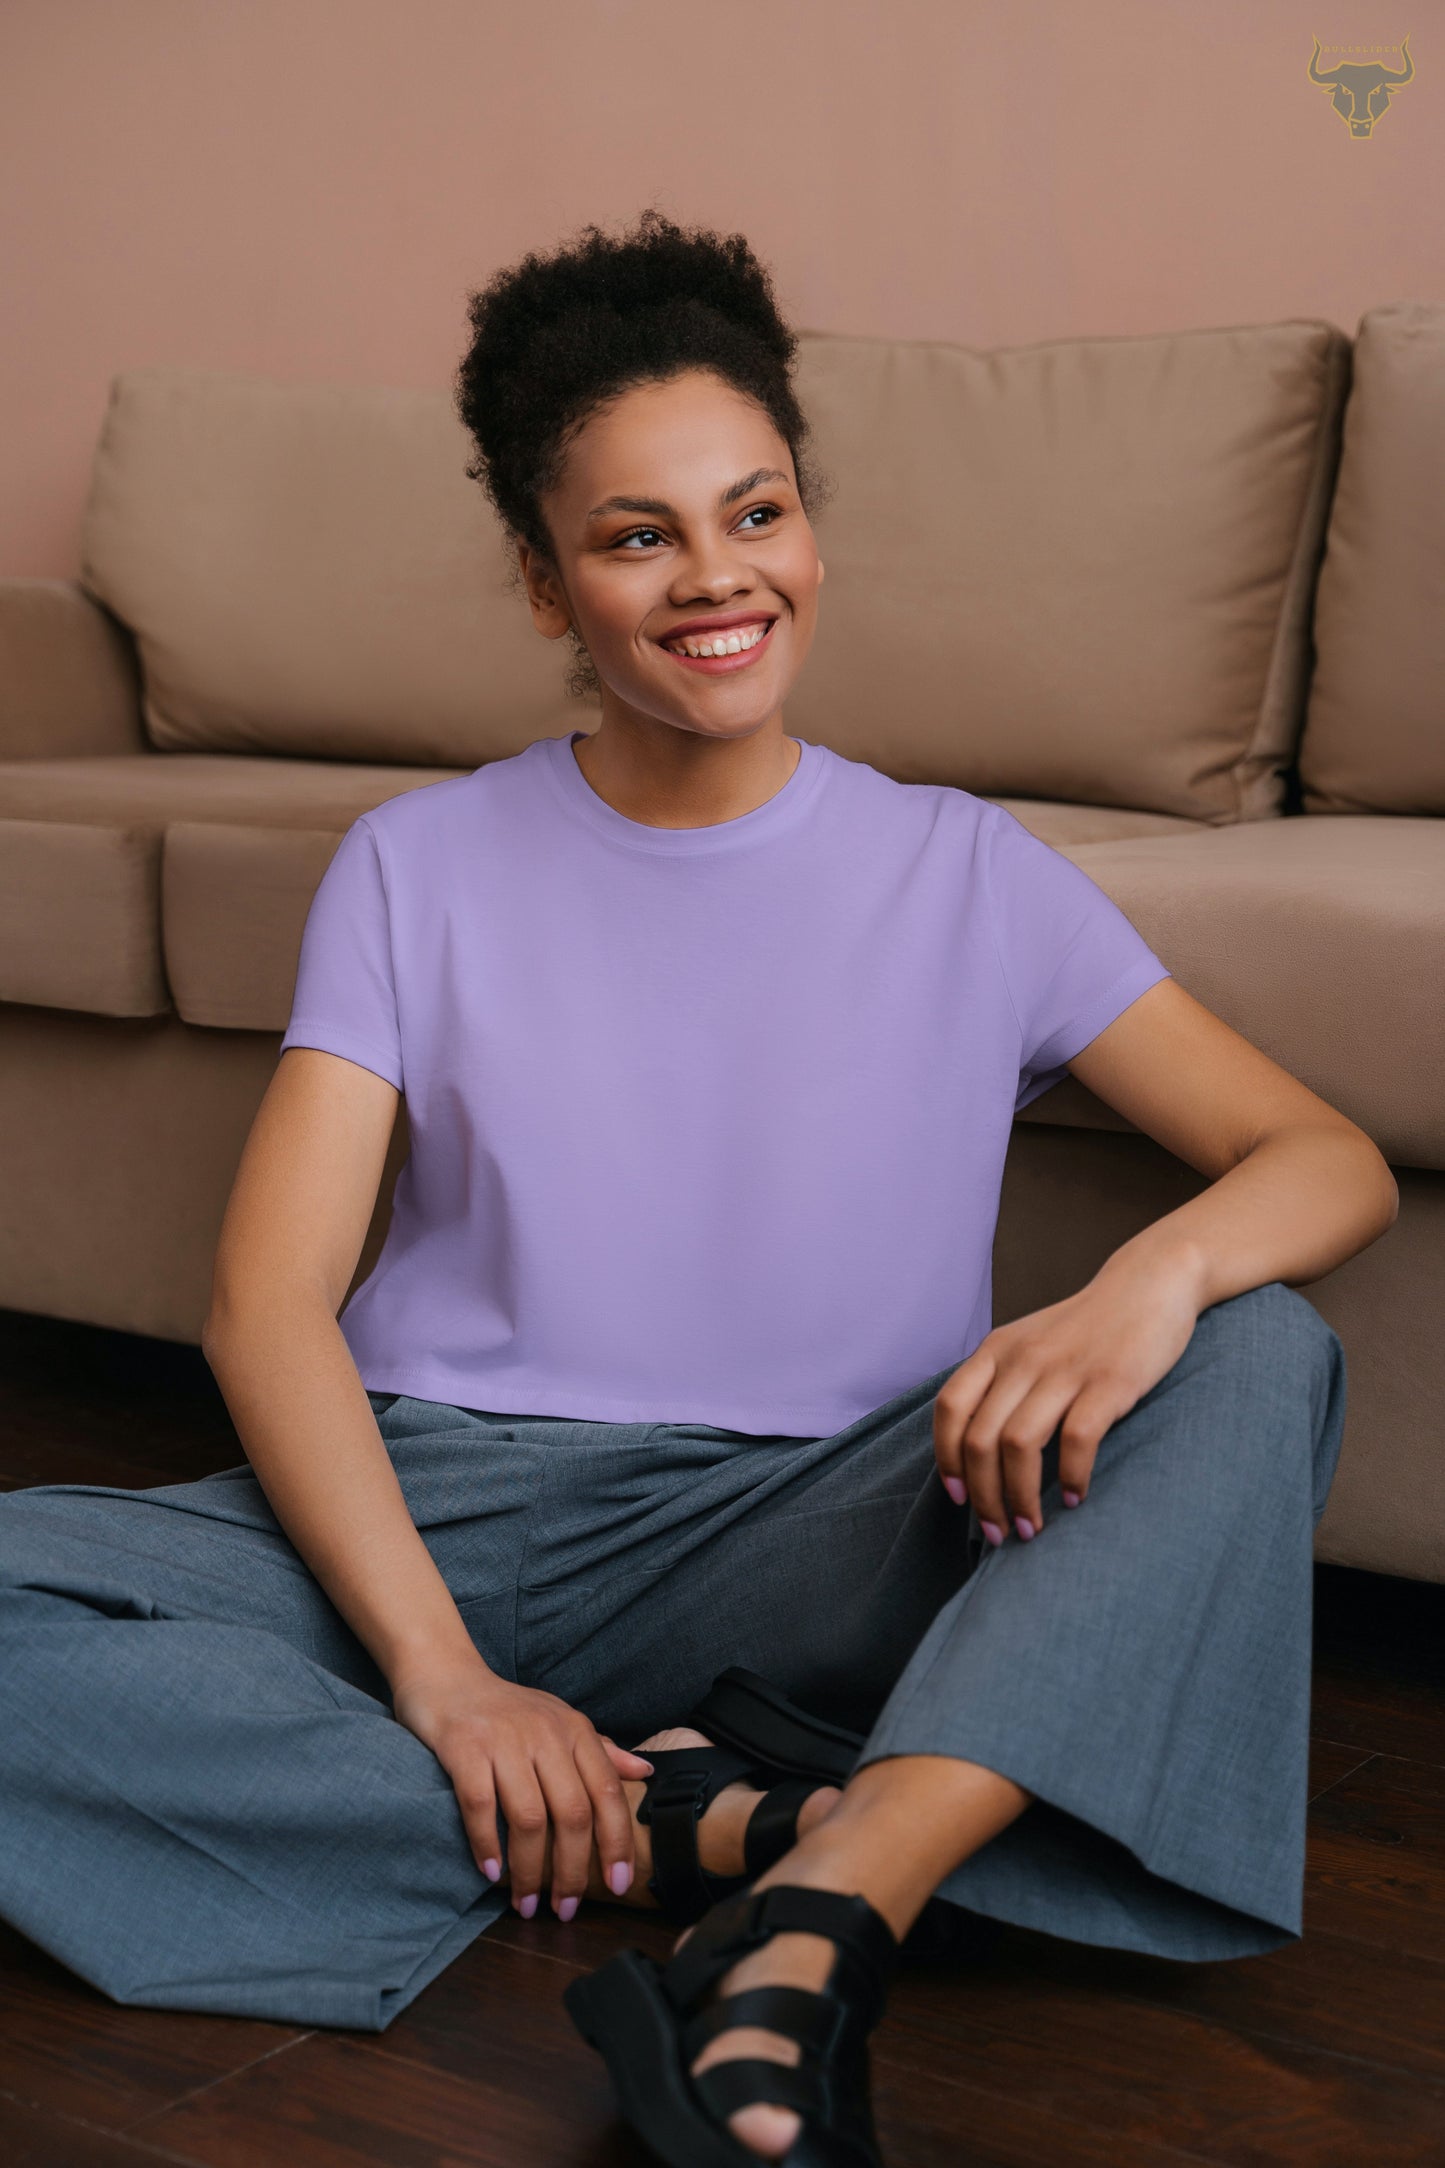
(539, 1760)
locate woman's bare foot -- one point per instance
(720, 1833)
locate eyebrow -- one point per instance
(663, 510)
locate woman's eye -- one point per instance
(633, 533)
(771, 509)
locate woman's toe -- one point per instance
(764, 2128)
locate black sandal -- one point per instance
(746, 1711)
(650, 2021)
(686, 1781)
(749, 1713)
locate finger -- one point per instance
(614, 1832)
(953, 1409)
(569, 1810)
(1022, 1439)
(624, 1761)
(1020, 1462)
(1097, 1407)
(525, 1808)
(477, 1797)
(982, 1452)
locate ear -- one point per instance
(548, 603)
(820, 571)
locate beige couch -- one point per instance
(1177, 602)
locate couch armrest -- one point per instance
(69, 682)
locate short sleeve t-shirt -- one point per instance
(708, 1124)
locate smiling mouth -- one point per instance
(724, 652)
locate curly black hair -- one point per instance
(555, 337)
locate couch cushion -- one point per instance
(1063, 825)
(1076, 571)
(1374, 738)
(233, 906)
(152, 789)
(81, 859)
(308, 569)
(1322, 941)
(1073, 571)
(79, 919)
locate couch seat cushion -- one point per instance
(81, 849)
(1056, 821)
(79, 917)
(234, 904)
(1321, 939)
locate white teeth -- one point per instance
(726, 643)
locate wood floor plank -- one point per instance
(337, 2101)
(1170, 2077)
(1375, 2006)
(1377, 1858)
(511, 2001)
(66, 2046)
(38, 2138)
(86, 1405)
(1330, 1762)
(1379, 1663)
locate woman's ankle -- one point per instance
(898, 1828)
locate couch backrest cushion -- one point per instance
(308, 569)
(1374, 736)
(1079, 570)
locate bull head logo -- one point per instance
(1360, 95)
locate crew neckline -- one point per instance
(776, 814)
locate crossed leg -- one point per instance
(1107, 1675)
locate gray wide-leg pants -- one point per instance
(206, 1803)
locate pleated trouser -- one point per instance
(206, 1803)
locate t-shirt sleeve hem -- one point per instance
(329, 1041)
(1086, 1024)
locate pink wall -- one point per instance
(308, 188)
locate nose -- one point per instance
(711, 570)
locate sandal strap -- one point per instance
(747, 2081)
(813, 2020)
(685, 1783)
(747, 1711)
(866, 1944)
(773, 1827)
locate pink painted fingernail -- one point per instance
(1024, 1526)
(954, 1486)
(619, 1878)
(1071, 1498)
(992, 1530)
(527, 1906)
(567, 1907)
(492, 1869)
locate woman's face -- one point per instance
(677, 520)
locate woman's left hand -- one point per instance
(1084, 1361)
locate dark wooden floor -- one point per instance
(1329, 2052)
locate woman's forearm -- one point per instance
(1303, 1201)
(308, 1430)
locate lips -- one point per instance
(705, 627)
(720, 665)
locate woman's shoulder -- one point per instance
(430, 818)
(878, 795)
